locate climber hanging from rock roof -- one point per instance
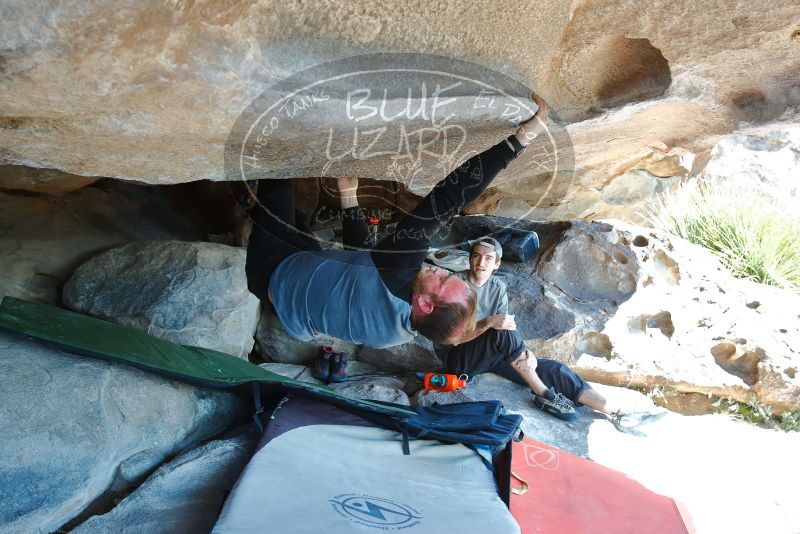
(379, 297)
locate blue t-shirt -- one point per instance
(338, 293)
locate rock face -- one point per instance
(189, 293)
(48, 181)
(150, 93)
(275, 345)
(377, 389)
(696, 329)
(75, 429)
(183, 495)
(651, 310)
(765, 162)
(43, 239)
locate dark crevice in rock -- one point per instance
(667, 268)
(636, 71)
(105, 502)
(109, 500)
(611, 71)
(595, 344)
(745, 366)
(757, 105)
(663, 322)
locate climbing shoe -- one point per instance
(322, 365)
(338, 367)
(556, 404)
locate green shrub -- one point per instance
(790, 421)
(758, 414)
(741, 227)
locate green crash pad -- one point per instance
(88, 336)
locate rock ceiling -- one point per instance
(149, 91)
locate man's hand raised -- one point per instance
(537, 124)
(348, 191)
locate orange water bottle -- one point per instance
(443, 382)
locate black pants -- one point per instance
(279, 231)
(495, 350)
(277, 234)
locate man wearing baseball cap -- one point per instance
(497, 347)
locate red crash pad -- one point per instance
(570, 495)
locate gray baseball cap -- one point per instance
(488, 242)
